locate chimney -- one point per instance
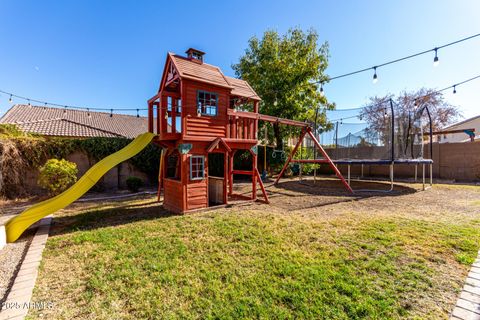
(195, 55)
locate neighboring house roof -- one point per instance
(204, 72)
(74, 123)
(462, 122)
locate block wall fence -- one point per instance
(452, 161)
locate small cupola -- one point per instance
(195, 54)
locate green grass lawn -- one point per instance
(130, 260)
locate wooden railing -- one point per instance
(242, 125)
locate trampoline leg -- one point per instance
(361, 173)
(431, 175)
(348, 174)
(423, 177)
(300, 173)
(315, 175)
(391, 177)
(416, 173)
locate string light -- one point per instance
(138, 116)
(321, 89)
(65, 110)
(88, 113)
(10, 99)
(29, 104)
(111, 113)
(375, 77)
(454, 89)
(436, 62)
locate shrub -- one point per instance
(57, 175)
(134, 183)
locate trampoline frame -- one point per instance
(390, 162)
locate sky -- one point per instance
(111, 54)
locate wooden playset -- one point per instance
(199, 113)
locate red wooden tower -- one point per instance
(199, 113)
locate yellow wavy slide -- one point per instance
(18, 224)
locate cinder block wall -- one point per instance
(452, 161)
(113, 179)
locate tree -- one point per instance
(285, 71)
(409, 110)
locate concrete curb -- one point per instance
(18, 302)
(468, 303)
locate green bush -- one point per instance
(134, 183)
(57, 175)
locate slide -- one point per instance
(18, 224)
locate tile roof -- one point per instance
(74, 123)
(204, 72)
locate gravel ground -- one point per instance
(11, 257)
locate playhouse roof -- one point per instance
(74, 123)
(241, 88)
(207, 73)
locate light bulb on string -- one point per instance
(138, 116)
(375, 77)
(45, 106)
(88, 113)
(454, 89)
(436, 62)
(321, 90)
(111, 113)
(65, 110)
(10, 99)
(29, 104)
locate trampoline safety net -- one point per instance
(381, 132)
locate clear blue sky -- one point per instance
(111, 53)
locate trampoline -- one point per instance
(384, 134)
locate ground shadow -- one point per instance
(334, 187)
(327, 191)
(91, 218)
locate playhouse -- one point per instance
(202, 118)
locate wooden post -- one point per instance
(262, 187)
(225, 177)
(254, 176)
(160, 174)
(150, 117)
(230, 173)
(158, 124)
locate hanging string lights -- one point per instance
(321, 82)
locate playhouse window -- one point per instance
(207, 103)
(197, 167)
(178, 115)
(169, 114)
